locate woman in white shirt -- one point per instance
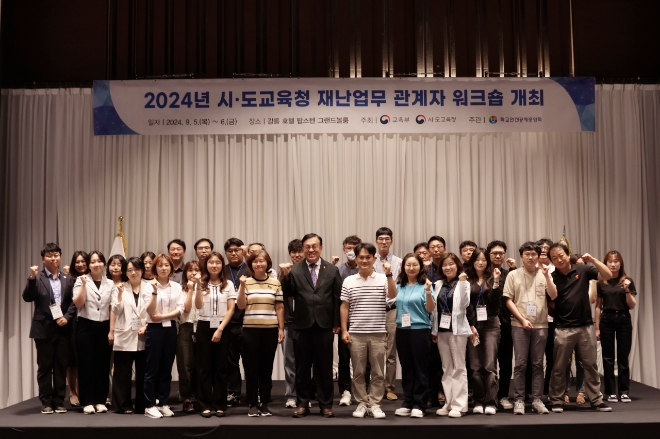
(92, 295)
(214, 301)
(185, 346)
(164, 305)
(130, 310)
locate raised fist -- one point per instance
(242, 280)
(33, 271)
(387, 267)
(496, 274)
(462, 276)
(428, 285)
(511, 263)
(335, 259)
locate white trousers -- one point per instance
(454, 381)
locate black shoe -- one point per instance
(46, 409)
(60, 409)
(232, 400)
(253, 411)
(263, 410)
(207, 414)
(219, 413)
(602, 407)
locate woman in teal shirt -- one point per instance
(414, 303)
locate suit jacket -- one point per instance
(318, 304)
(127, 339)
(37, 290)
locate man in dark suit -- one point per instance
(315, 285)
(52, 294)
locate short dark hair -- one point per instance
(384, 231)
(403, 277)
(493, 244)
(530, 246)
(205, 272)
(233, 241)
(437, 238)
(97, 253)
(574, 258)
(560, 245)
(50, 248)
(199, 241)
(369, 247)
(122, 261)
(295, 245)
(72, 265)
(263, 247)
(186, 269)
(254, 256)
(457, 261)
(353, 239)
(310, 236)
(138, 264)
(420, 245)
(157, 259)
(542, 241)
(176, 241)
(148, 254)
(466, 243)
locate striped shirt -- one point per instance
(366, 300)
(261, 299)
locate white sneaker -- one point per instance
(416, 413)
(519, 408)
(165, 410)
(506, 404)
(100, 408)
(89, 410)
(478, 410)
(152, 412)
(345, 398)
(539, 407)
(490, 410)
(443, 411)
(377, 412)
(360, 411)
(290, 404)
(402, 411)
(455, 414)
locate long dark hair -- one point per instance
(72, 265)
(403, 277)
(186, 268)
(622, 273)
(471, 272)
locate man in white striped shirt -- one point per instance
(363, 297)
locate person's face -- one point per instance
(115, 268)
(561, 260)
(296, 256)
(348, 248)
(423, 253)
(437, 249)
(466, 252)
(51, 261)
(148, 262)
(481, 263)
(96, 264)
(411, 267)
(234, 255)
(203, 250)
(312, 249)
(80, 265)
(449, 268)
(259, 265)
(134, 274)
(530, 258)
(544, 251)
(497, 256)
(192, 272)
(213, 265)
(163, 268)
(176, 252)
(613, 264)
(254, 248)
(365, 260)
(384, 243)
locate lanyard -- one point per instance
(445, 305)
(526, 290)
(235, 278)
(162, 298)
(214, 298)
(480, 300)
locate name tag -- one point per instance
(445, 320)
(214, 321)
(531, 309)
(481, 313)
(167, 323)
(56, 311)
(405, 320)
(135, 323)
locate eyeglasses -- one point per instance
(311, 247)
(497, 254)
(234, 251)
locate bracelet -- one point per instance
(388, 275)
(154, 294)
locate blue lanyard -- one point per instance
(446, 294)
(481, 296)
(233, 278)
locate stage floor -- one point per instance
(641, 417)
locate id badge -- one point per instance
(531, 309)
(482, 315)
(56, 311)
(405, 320)
(445, 320)
(135, 323)
(214, 321)
(167, 323)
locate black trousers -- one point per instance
(505, 360)
(160, 347)
(235, 331)
(122, 380)
(211, 364)
(259, 347)
(344, 372)
(413, 348)
(93, 360)
(435, 374)
(52, 361)
(314, 346)
(616, 326)
(549, 357)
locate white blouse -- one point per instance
(214, 302)
(190, 316)
(170, 298)
(97, 305)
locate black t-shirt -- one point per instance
(572, 307)
(613, 295)
(489, 297)
(234, 274)
(505, 314)
(447, 292)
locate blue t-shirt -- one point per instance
(412, 299)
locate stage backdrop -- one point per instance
(61, 183)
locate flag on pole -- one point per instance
(564, 239)
(119, 243)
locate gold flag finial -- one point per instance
(120, 234)
(564, 239)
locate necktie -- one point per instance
(312, 271)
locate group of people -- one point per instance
(453, 318)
